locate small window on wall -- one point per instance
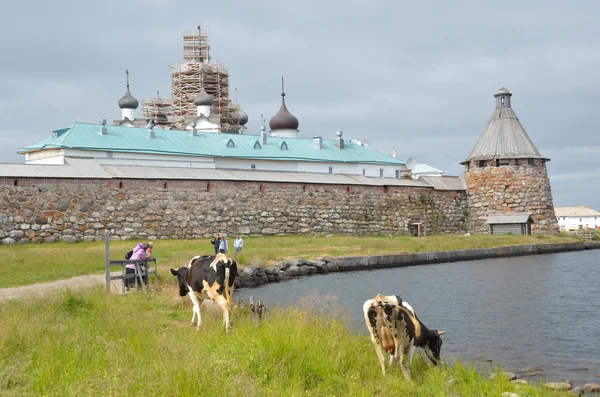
(530, 162)
(364, 172)
(252, 166)
(381, 172)
(109, 155)
(331, 170)
(482, 163)
(397, 173)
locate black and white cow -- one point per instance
(208, 277)
(395, 329)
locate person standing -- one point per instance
(223, 247)
(217, 243)
(238, 244)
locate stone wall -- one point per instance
(46, 210)
(515, 188)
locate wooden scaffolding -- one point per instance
(158, 109)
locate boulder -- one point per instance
(8, 241)
(576, 391)
(519, 382)
(591, 388)
(293, 271)
(563, 386)
(69, 239)
(304, 270)
(16, 234)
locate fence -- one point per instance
(143, 268)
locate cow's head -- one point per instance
(433, 348)
(180, 274)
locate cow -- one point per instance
(208, 277)
(396, 329)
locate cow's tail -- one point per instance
(226, 283)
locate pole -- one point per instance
(107, 257)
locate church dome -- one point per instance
(204, 99)
(242, 116)
(283, 120)
(127, 101)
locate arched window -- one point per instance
(230, 143)
(257, 145)
(284, 146)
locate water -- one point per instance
(541, 310)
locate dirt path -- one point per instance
(75, 283)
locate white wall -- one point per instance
(573, 222)
(129, 113)
(261, 165)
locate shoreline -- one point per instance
(255, 276)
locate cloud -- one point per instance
(416, 76)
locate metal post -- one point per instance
(107, 257)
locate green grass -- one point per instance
(94, 343)
(33, 263)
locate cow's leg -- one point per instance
(398, 356)
(196, 309)
(410, 353)
(222, 302)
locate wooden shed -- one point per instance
(510, 223)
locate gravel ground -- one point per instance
(74, 283)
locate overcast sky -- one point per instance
(417, 76)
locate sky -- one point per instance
(415, 76)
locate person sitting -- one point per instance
(139, 253)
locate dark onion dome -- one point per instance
(128, 101)
(204, 99)
(242, 116)
(283, 120)
(161, 119)
(125, 123)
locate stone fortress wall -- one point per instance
(52, 209)
(519, 186)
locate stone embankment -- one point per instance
(256, 274)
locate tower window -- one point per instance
(530, 161)
(482, 163)
(502, 100)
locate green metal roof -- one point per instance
(86, 136)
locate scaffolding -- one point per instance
(196, 47)
(194, 72)
(158, 109)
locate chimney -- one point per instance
(263, 134)
(151, 133)
(194, 132)
(339, 142)
(318, 142)
(103, 129)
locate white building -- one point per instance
(577, 218)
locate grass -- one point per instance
(94, 343)
(32, 263)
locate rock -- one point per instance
(293, 271)
(509, 394)
(591, 388)
(24, 240)
(530, 368)
(559, 385)
(69, 239)
(576, 391)
(16, 234)
(304, 270)
(3, 218)
(519, 382)
(506, 375)
(9, 241)
(282, 265)
(49, 239)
